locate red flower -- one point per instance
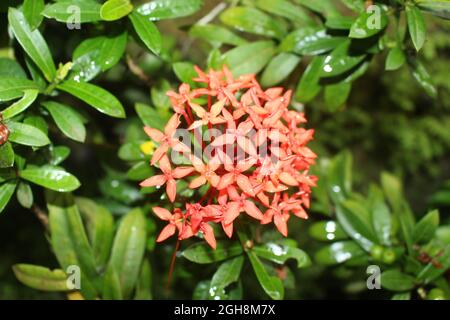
(257, 161)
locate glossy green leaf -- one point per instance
(151, 117)
(422, 77)
(58, 154)
(327, 231)
(216, 34)
(353, 218)
(285, 9)
(95, 96)
(416, 26)
(440, 8)
(227, 273)
(111, 285)
(324, 7)
(140, 171)
(254, 21)
(402, 296)
(128, 249)
(202, 253)
(432, 271)
(395, 280)
(380, 216)
(309, 86)
(310, 41)
(19, 106)
(115, 9)
(272, 285)
(32, 42)
(395, 59)
(119, 190)
(185, 72)
(281, 253)
(368, 24)
(67, 119)
(74, 11)
(131, 151)
(6, 155)
(340, 177)
(169, 9)
(6, 192)
(249, 58)
(426, 228)
(339, 22)
(32, 10)
(26, 134)
(147, 31)
(339, 252)
(144, 285)
(24, 195)
(279, 68)
(100, 228)
(340, 60)
(97, 54)
(50, 177)
(69, 240)
(12, 88)
(41, 278)
(10, 68)
(336, 95)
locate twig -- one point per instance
(41, 215)
(136, 70)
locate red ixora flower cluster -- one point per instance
(267, 185)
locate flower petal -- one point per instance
(162, 213)
(252, 210)
(154, 181)
(171, 189)
(181, 172)
(281, 223)
(208, 233)
(155, 134)
(167, 232)
(197, 182)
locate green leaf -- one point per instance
(32, 10)
(339, 22)
(284, 9)
(128, 250)
(430, 272)
(6, 192)
(6, 155)
(401, 296)
(340, 177)
(111, 285)
(12, 88)
(272, 285)
(185, 72)
(19, 106)
(380, 216)
(140, 171)
(41, 278)
(336, 94)
(67, 119)
(426, 228)
(202, 253)
(254, 21)
(144, 285)
(281, 253)
(100, 228)
(368, 24)
(115, 9)
(309, 86)
(416, 26)
(131, 151)
(32, 42)
(339, 252)
(227, 273)
(422, 77)
(440, 8)
(169, 9)
(310, 41)
(58, 154)
(216, 34)
(24, 195)
(50, 177)
(147, 31)
(354, 217)
(327, 231)
(150, 116)
(69, 240)
(249, 58)
(10, 68)
(26, 134)
(73, 11)
(395, 59)
(340, 60)
(95, 96)
(94, 55)
(279, 68)
(324, 7)
(395, 280)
